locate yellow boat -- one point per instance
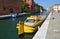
(31, 23)
(20, 27)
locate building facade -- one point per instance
(1, 7)
(10, 6)
(41, 9)
(37, 8)
(31, 5)
(49, 9)
(56, 7)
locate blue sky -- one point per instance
(47, 3)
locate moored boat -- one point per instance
(20, 27)
(31, 23)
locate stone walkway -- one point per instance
(41, 33)
(50, 29)
(53, 31)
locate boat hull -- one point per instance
(28, 29)
(20, 28)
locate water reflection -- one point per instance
(27, 36)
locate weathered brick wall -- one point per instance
(1, 7)
(17, 6)
(6, 6)
(31, 5)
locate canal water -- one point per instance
(8, 28)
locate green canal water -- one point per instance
(8, 28)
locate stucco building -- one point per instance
(56, 7)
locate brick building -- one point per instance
(34, 7)
(1, 7)
(10, 6)
(31, 5)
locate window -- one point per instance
(30, 20)
(4, 8)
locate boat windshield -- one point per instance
(30, 20)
